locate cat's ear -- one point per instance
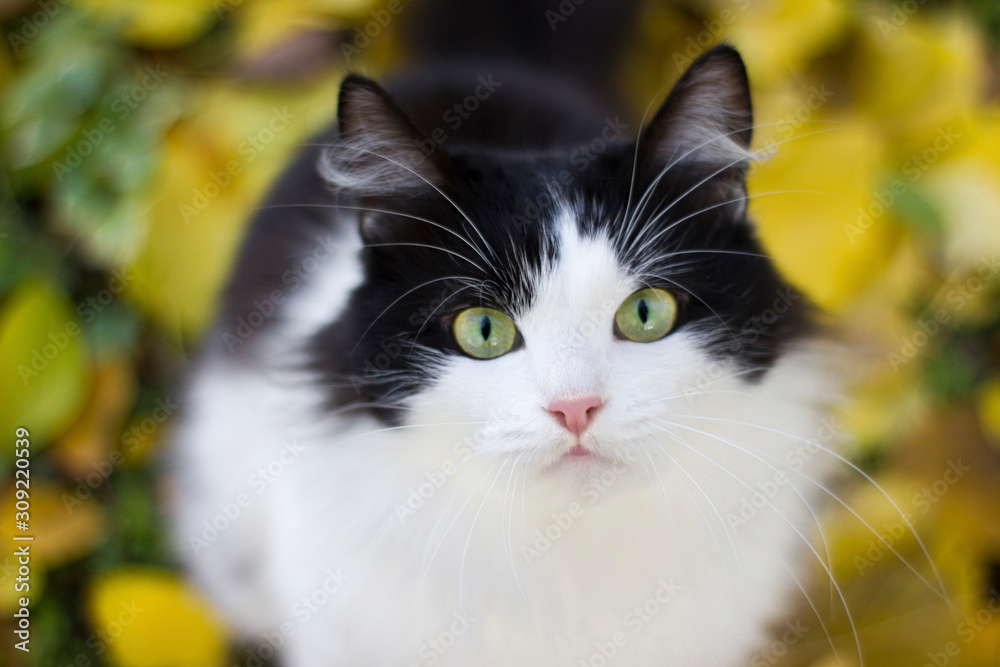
(380, 152)
(706, 119)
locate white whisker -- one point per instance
(790, 524)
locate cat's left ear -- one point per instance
(379, 152)
(707, 119)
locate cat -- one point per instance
(514, 386)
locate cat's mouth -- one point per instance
(580, 460)
(581, 454)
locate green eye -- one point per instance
(484, 333)
(647, 315)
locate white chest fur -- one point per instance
(463, 537)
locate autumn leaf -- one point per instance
(43, 362)
(217, 165)
(778, 38)
(158, 620)
(90, 441)
(158, 24)
(917, 77)
(821, 218)
(65, 525)
(264, 24)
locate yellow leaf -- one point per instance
(778, 38)
(989, 408)
(264, 24)
(887, 402)
(152, 619)
(159, 24)
(216, 167)
(918, 77)
(833, 243)
(43, 362)
(857, 549)
(65, 527)
(89, 442)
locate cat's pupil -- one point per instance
(643, 311)
(484, 327)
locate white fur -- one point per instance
(338, 256)
(409, 563)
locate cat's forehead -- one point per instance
(540, 194)
(555, 241)
(583, 278)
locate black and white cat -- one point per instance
(520, 391)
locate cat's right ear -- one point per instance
(379, 152)
(707, 118)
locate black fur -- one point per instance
(500, 167)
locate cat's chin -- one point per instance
(581, 461)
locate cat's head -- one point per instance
(563, 299)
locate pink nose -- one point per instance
(575, 413)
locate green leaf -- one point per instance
(43, 362)
(919, 213)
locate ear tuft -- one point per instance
(379, 147)
(707, 118)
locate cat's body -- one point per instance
(354, 487)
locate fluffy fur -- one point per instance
(355, 489)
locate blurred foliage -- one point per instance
(136, 138)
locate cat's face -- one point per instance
(563, 309)
(576, 392)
